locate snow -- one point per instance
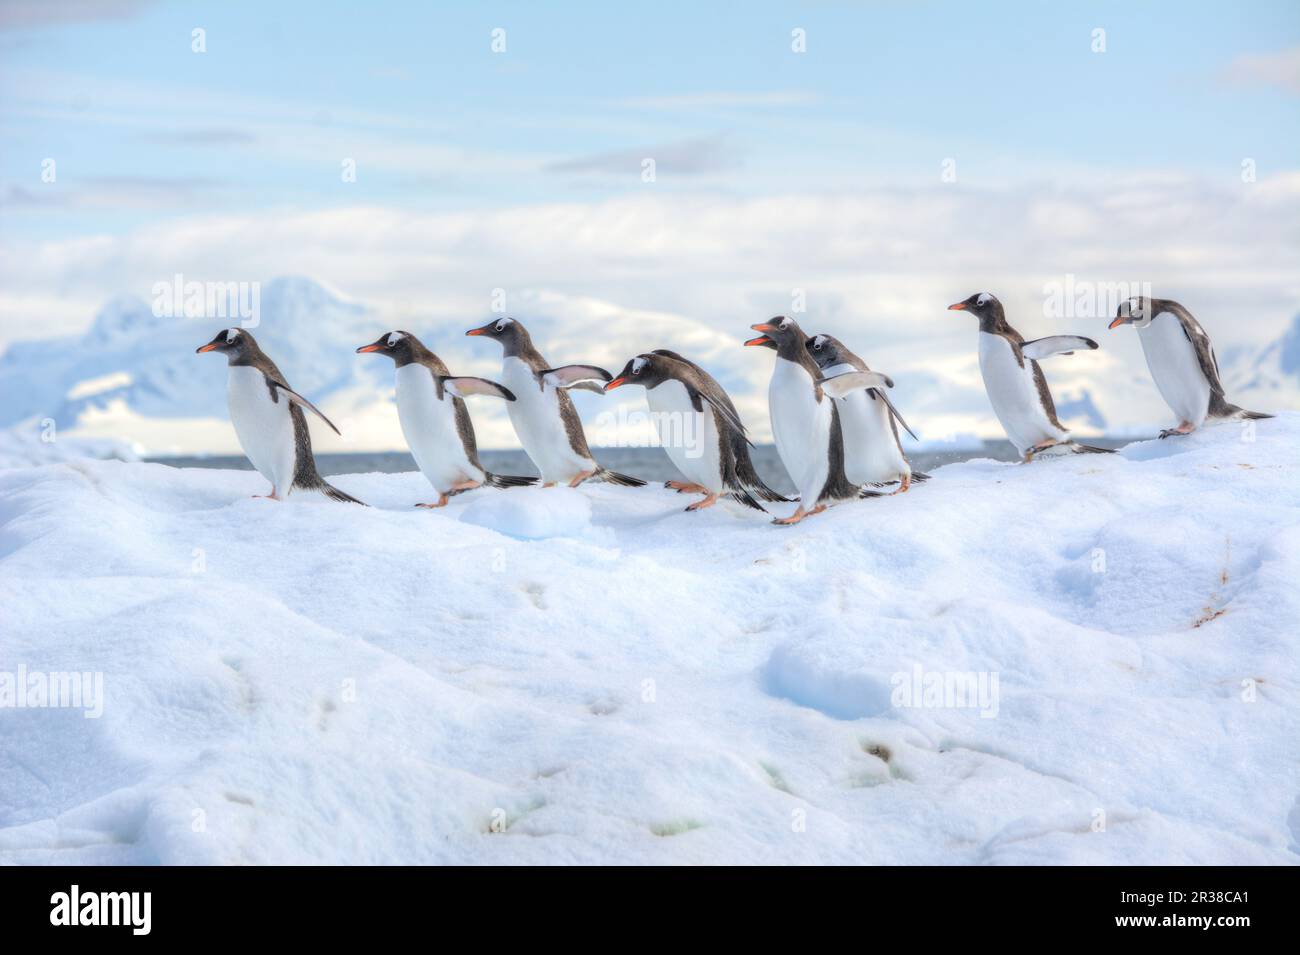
(565, 676)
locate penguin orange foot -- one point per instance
(685, 487)
(708, 501)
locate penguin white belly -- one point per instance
(1175, 369)
(689, 437)
(1013, 394)
(263, 426)
(871, 452)
(535, 414)
(429, 426)
(801, 429)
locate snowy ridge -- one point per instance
(315, 682)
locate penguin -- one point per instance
(435, 421)
(806, 422)
(1182, 362)
(543, 414)
(698, 427)
(269, 420)
(873, 453)
(1014, 382)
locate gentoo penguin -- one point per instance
(434, 419)
(873, 453)
(268, 418)
(698, 428)
(1182, 362)
(543, 414)
(805, 421)
(1015, 384)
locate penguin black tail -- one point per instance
(507, 480)
(1084, 449)
(606, 476)
(742, 496)
(334, 494)
(867, 492)
(1255, 415)
(919, 477)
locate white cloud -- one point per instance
(605, 280)
(1280, 70)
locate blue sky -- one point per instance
(818, 173)
(884, 92)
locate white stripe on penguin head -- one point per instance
(231, 335)
(394, 338)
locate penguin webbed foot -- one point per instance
(582, 476)
(441, 502)
(708, 501)
(685, 487)
(1183, 428)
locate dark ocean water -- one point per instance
(652, 464)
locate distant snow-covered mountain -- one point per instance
(1269, 376)
(147, 361)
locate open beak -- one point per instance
(366, 348)
(210, 346)
(763, 327)
(760, 340)
(610, 386)
(959, 307)
(1117, 323)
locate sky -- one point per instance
(869, 162)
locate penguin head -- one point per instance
(645, 370)
(779, 331)
(826, 350)
(1136, 311)
(397, 345)
(235, 343)
(504, 330)
(983, 305)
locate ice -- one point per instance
(593, 675)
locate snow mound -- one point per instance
(1090, 659)
(533, 513)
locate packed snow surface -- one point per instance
(596, 676)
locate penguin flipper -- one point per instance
(724, 415)
(298, 399)
(841, 385)
(894, 411)
(463, 387)
(571, 376)
(1041, 348)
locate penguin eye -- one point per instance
(636, 371)
(817, 347)
(501, 326)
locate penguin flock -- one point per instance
(834, 426)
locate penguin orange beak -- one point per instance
(210, 346)
(475, 331)
(959, 307)
(366, 348)
(760, 340)
(610, 386)
(763, 327)
(1117, 323)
